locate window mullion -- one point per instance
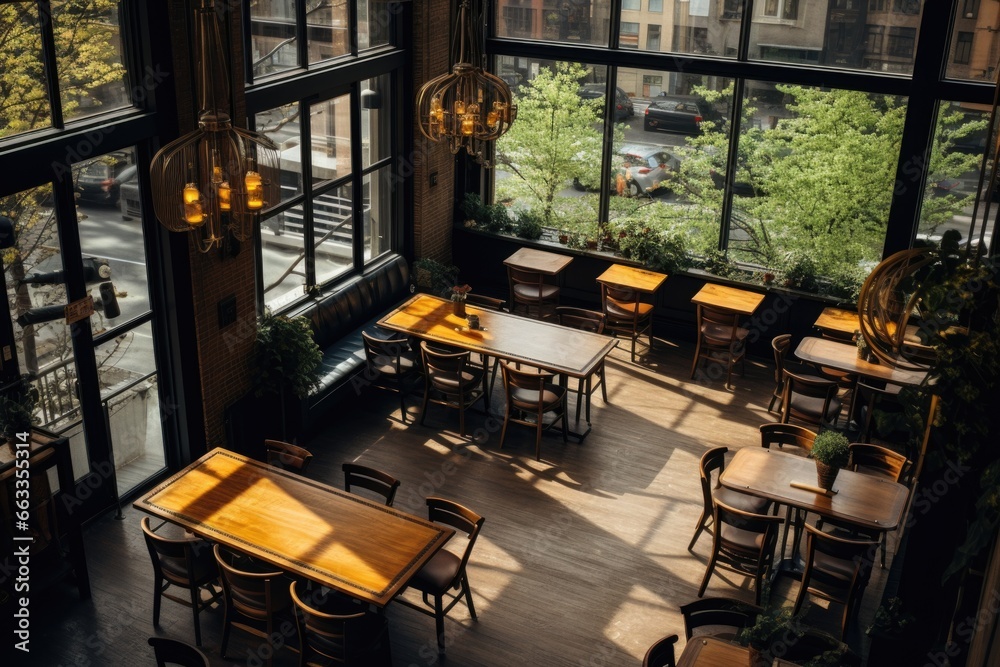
(50, 62)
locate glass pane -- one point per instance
(330, 122)
(815, 179)
(113, 249)
(327, 30)
(273, 38)
(378, 213)
(879, 35)
(376, 120)
(554, 145)
(974, 41)
(580, 21)
(132, 405)
(24, 100)
(666, 171)
(89, 57)
(283, 257)
(953, 175)
(333, 228)
(374, 20)
(698, 26)
(281, 125)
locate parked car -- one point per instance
(128, 197)
(643, 169)
(623, 104)
(100, 179)
(673, 114)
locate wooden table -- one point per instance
(873, 503)
(838, 321)
(641, 280)
(705, 651)
(728, 298)
(539, 261)
(844, 357)
(356, 546)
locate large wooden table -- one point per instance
(551, 347)
(539, 261)
(722, 297)
(873, 503)
(844, 357)
(311, 530)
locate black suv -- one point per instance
(623, 104)
(99, 179)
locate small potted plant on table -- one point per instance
(771, 627)
(458, 294)
(831, 452)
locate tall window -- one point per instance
(783, 9)
(901, 42)
(906, 6)
(655, 6)
(634, 5)
(963, 48)
(338, 209)
(629, 38)
(873, 39)
(970, 9)
(653, 37)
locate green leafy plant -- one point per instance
(649, 245)
(831, 448)
(434, 276)
(771, 626)
(493, 218)
(529, 226)
(889, 619)
(800, 273)
(718, 264)
(17, 407)
(286, 356)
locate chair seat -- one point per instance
(722, 333)
(813, 406)
(407, 365)
(833, 566)
(741, 501)
(527, 399)
(535, 292)
(438, 573)
(617, 310)
(175, 569)
(742, 538)
(451, 381)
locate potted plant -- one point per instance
(17, 408)
(831, 452)
(286, 360)
(771, 626)
(433, 276)
(458, 294)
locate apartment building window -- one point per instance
(783, 9)
(906, 6)
(518, 21)
(970, 9)
(901, 42)
(655, 6)
(876, 5)
(873, 38)
(963, 48)
(629, 38)
(732, 9)
(634, 5)
(653, 38)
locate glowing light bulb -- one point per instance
(459, 107)
(225, 196)
(468, 125)
(255, 190)
(192, 205)
(216, 166)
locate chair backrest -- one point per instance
(780, 345)
(462, 519)
(175, 652)
(580, 318)
(811, 387)
(622, 298)
(374, 480)
(286, 455)
(338, 638)
(717, 328)
(382, 351)
(711, 461)
(787, 435)
(485, 302)
(258, 592)
(842, 563)
(877, 460)
(727, 614)
(765, 525)
(522, 277)
(661, 653)
(531, 380)
(443, 367)
(177, 551)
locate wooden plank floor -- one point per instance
(583, 558)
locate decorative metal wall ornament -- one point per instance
(216, 180)
(468, 107)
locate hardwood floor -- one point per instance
(582, 559)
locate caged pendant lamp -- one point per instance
(468, 106)
(216, 180)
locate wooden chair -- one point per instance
(333, 630)
(384, 484)
(714, 461)
(451, 380)
(744, 543)
(721, 340)
(257, 596)
(446, 571)
(528, 290)
(876, 460)
(533, 400)
(810, 399)
(626, 313)
(592, 321)
(797, 440)
(661, 653)
(186, 563)
(779, 345)
(174, 652)
(288, 456)
(718, 617)
(872, 396)
(487, 303)
(390, 365)
(837, 570)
